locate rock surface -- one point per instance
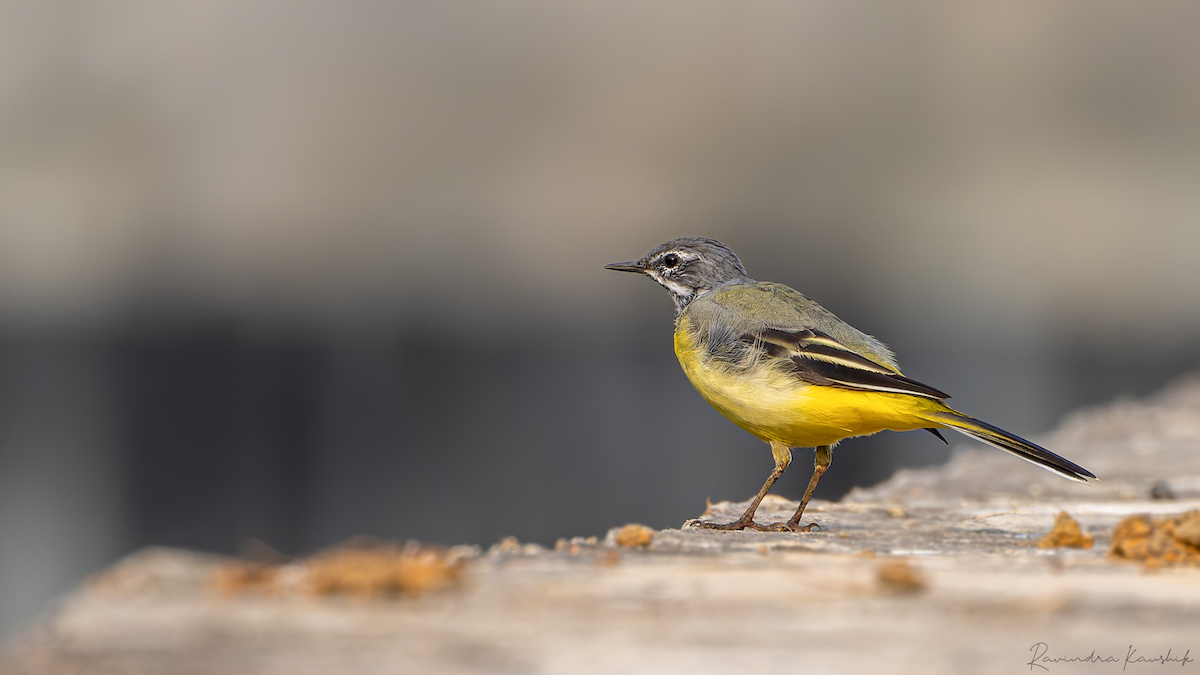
(935, 571)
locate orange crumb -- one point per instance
(381, 570)
(240, 576)
(633, 535)
(899, 576)
(1066, 532)
(1173, 540)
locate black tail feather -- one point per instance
(1030, 452)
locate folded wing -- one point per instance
(819, 359)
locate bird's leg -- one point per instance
(783, 457)
(824, 457)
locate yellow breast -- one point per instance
(775, 405)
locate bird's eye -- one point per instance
(670, 260)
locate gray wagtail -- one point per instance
(794, 375)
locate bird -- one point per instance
(793, 374)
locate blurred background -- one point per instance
(295, 271)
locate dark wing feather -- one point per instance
(820, 359)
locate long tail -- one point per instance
(997, 437)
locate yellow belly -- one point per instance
(775, 405)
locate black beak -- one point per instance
(631, 266)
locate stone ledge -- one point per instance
(934, 571)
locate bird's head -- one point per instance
(688, 268)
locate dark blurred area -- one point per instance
(298, 271)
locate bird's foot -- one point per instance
(739, 524)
